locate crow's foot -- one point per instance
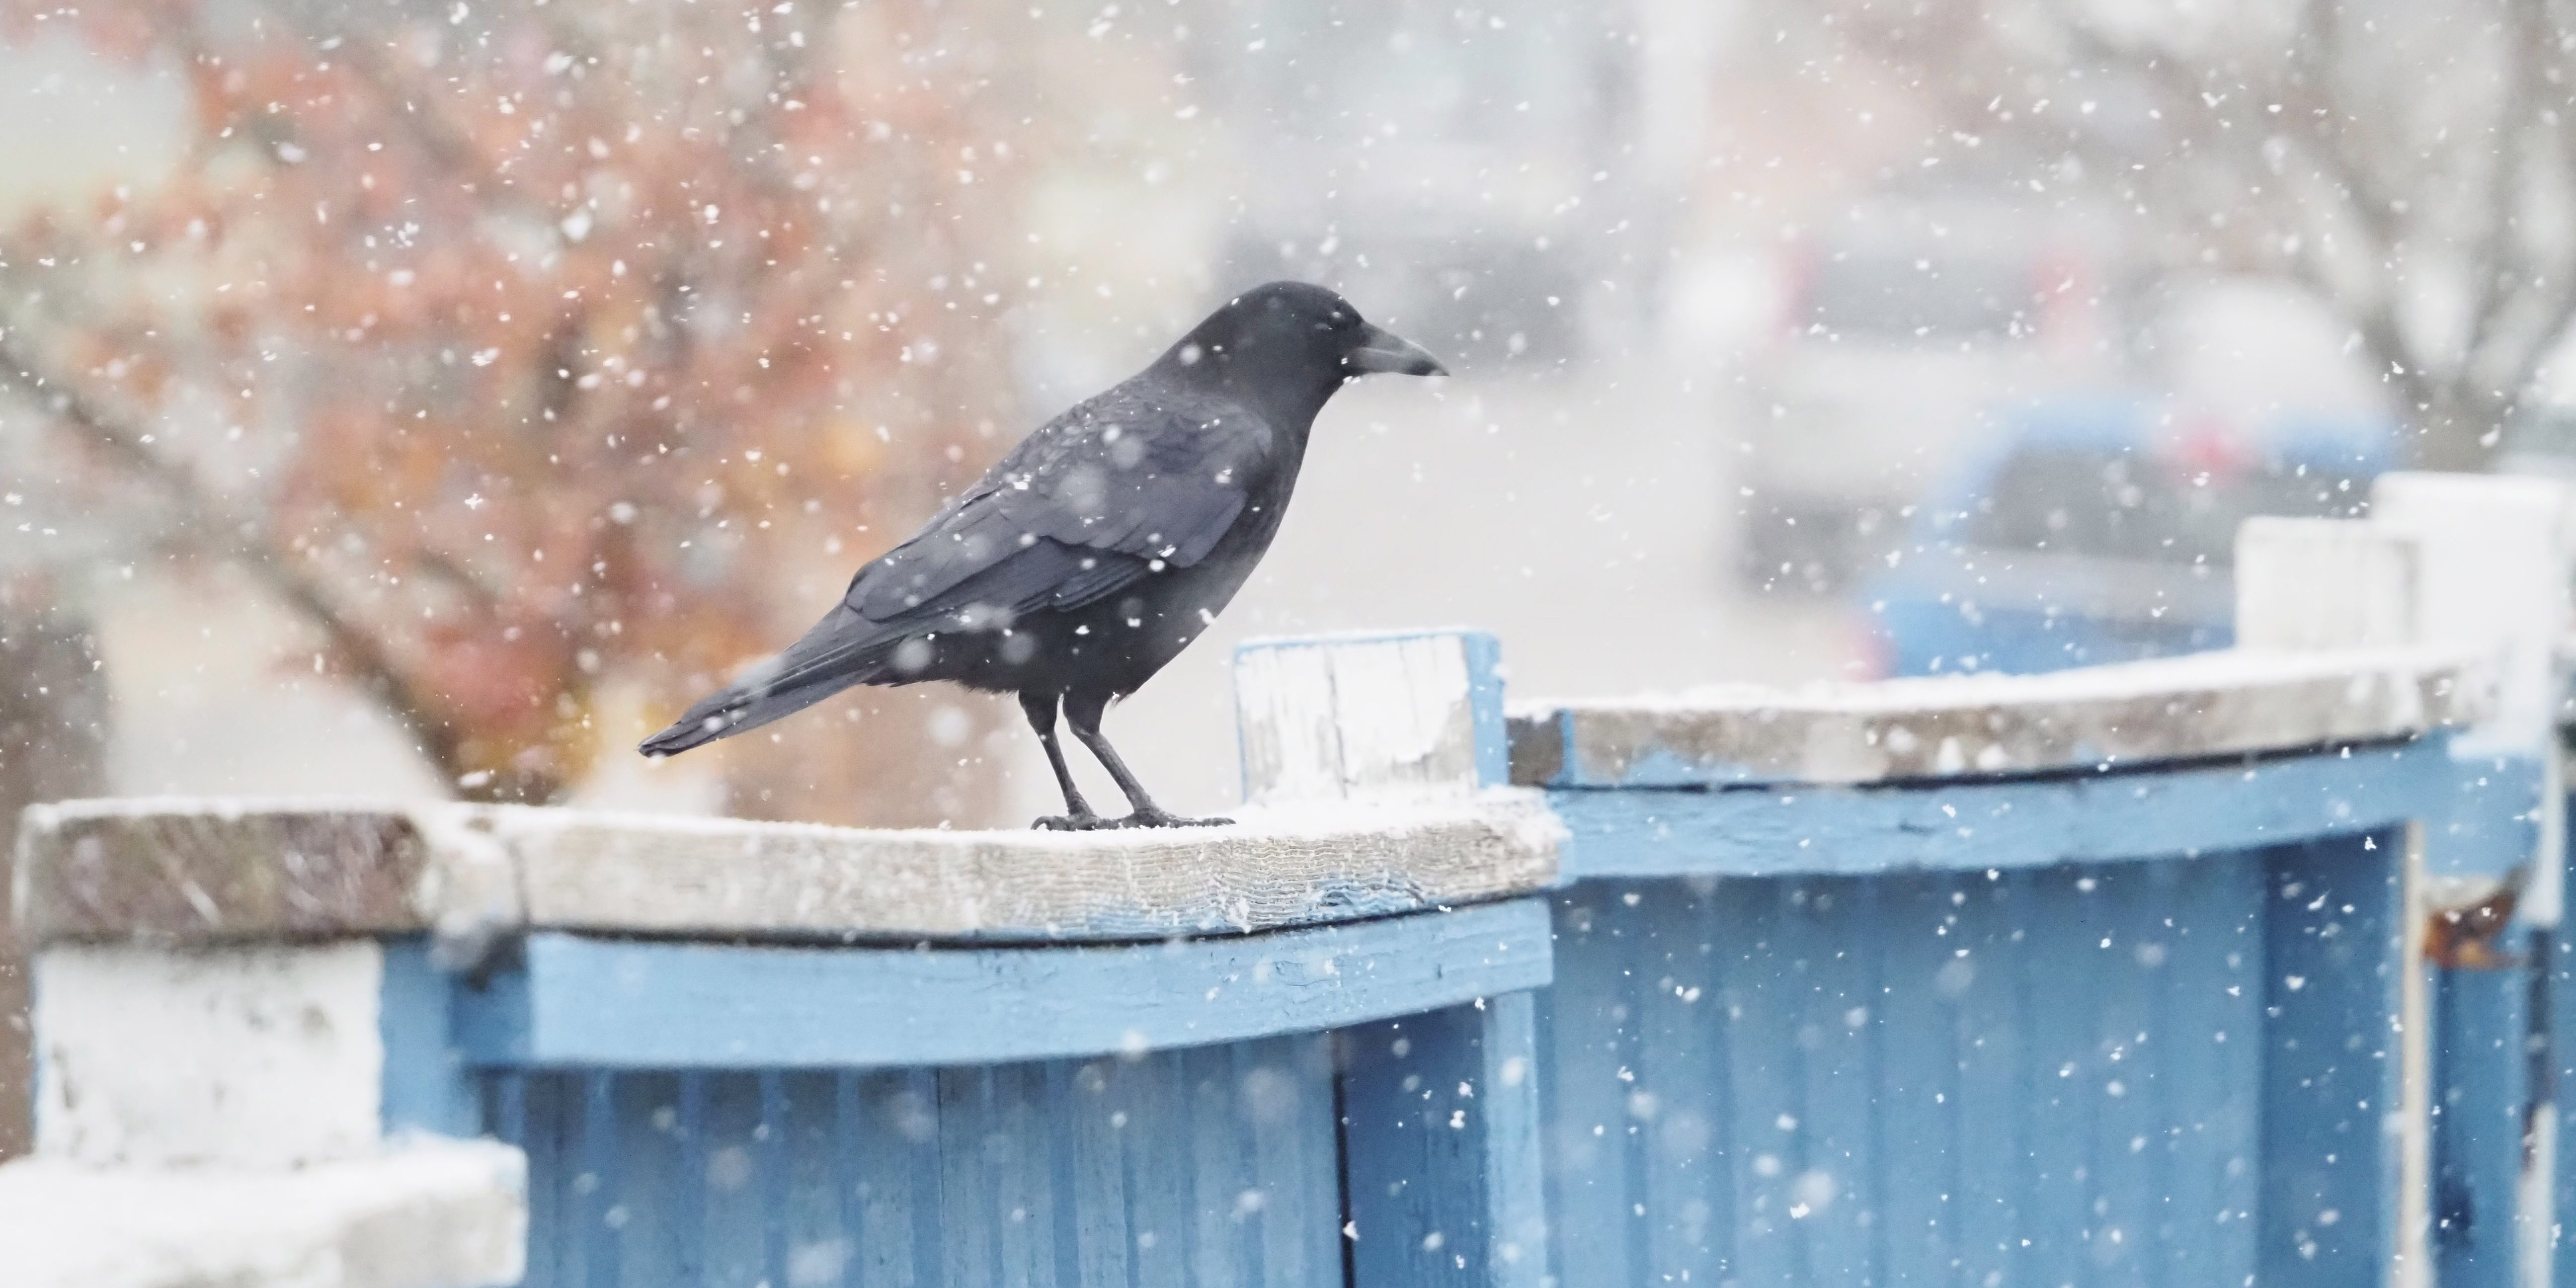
(1157, 818)
(1074, 823)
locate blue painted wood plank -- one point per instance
(1029, 1223)
(1993, 1177)
(1764, 1075)
(1587, 1039)
(596, 1236)
(2330, 1075)
(2489, 823)
(773, 1171)
(1218, 1156)
(2133, 1100)
(969, 1242)
(819, 1246)
(1095, 1132)
(690, 1208)
(1918, 1110)
(1505, 1082)
(1633, 1127)
(426, 1084)
(1485, 707)
(1678, 1161)
(737, 1211)
(596, 1003)
(1157, 1135)
(1825, 934)
(2481, 1089)
(1286, 1090)
(2000, 823)
(2559, 1004)
(888, 1143)
(552, 1176)
(656, 1241)
(2207, 1028)
(978, 1161)
(2061, 1074)
(1442, 1167)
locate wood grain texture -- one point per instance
(192, 871)
(2482, 1081)
(2174, 709)
(1441, 1140)
(2004, 823)
(2333, 962)
(731, 878)
(578, 1002)
(1349, 717)
(1212, 1166)
(205, 871)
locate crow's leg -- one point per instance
(1077, 815)
(1083, 711)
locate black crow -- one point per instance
(1098, 548)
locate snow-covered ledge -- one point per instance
(1376, 768)
(426, 1214)
(255, 1116)
(250, 1070)
(2234, 702)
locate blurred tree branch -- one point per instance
(543, 358)
(2412, 168)
(208, 526)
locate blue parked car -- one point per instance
(2100, 531)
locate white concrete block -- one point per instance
(246, 1055)
(428, 1213)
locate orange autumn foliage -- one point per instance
(530, 349)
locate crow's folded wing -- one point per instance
(1093, 502)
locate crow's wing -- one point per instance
(1092, 503)
(1086, 507)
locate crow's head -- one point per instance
(1294, 336)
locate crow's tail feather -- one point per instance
(812, 669)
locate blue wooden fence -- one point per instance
(2131, 1027)
(1349, 1104)
(2103, 1019)
(2143, 1045)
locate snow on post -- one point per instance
(1361, 717)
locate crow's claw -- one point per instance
(1157, 818)
(1073, 823)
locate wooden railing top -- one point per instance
(213, 870)
(2228, 703)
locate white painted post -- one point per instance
(2478, 561)
(2494, 574)
(1370, 717)
(2307, 585)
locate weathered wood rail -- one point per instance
(2106, 976)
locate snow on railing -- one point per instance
(1656, 1009)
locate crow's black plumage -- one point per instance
(1098, 548)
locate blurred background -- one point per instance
(426, 399)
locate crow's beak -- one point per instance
(1384, 352)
